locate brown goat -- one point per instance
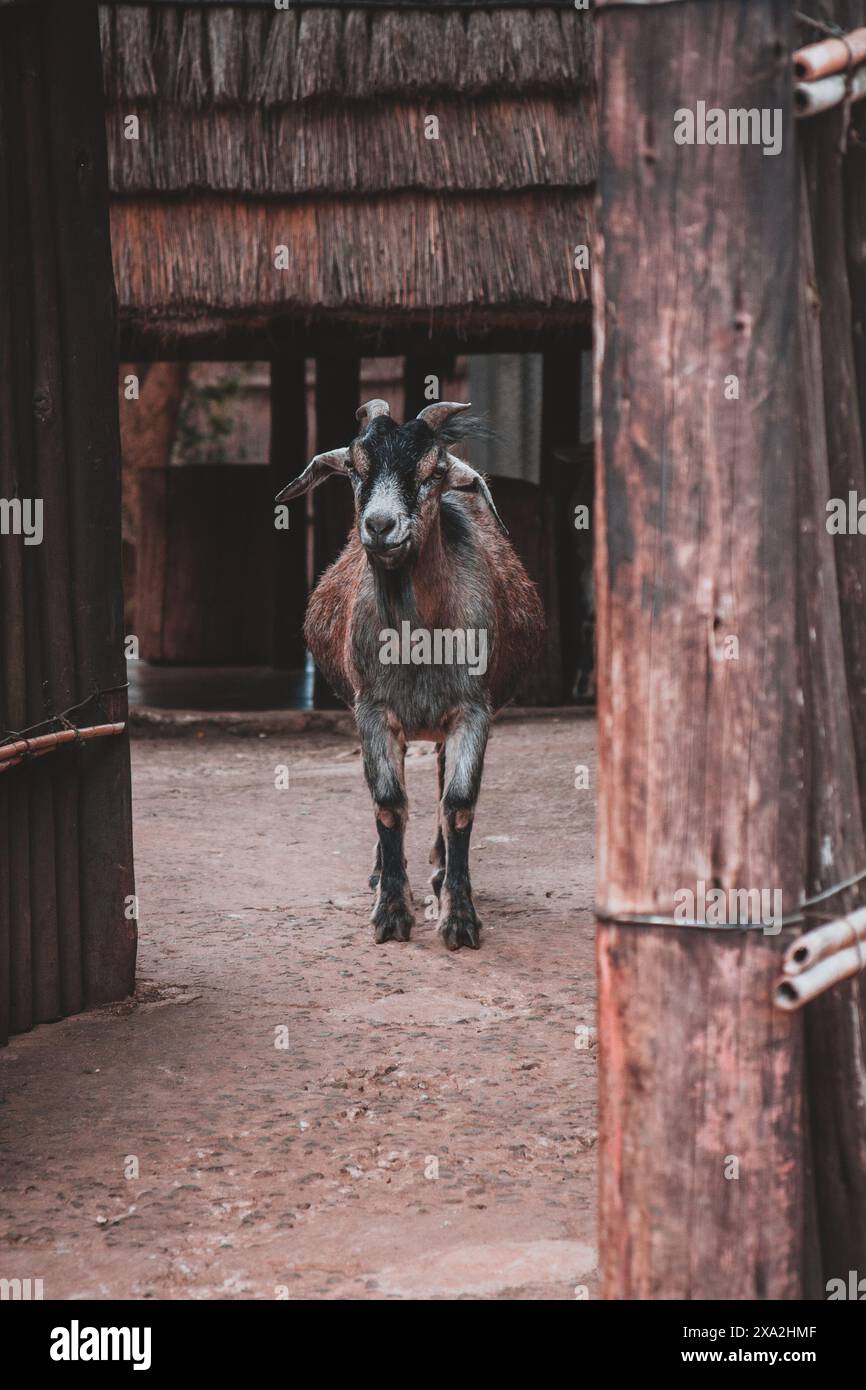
(427, 574)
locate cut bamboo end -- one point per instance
(811, 98)
(825, 941)
(791, 992)
(830, 56)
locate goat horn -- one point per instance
(320, 468)
(460, 475)
(369, 411)
(435, 415)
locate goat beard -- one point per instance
(395, 595)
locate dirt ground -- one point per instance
(287, 1110)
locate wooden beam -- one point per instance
(372, 335)
(702, 1123)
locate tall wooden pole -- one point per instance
(560, 430)
(702, 1117)
(289, 457)
(833, 636)
(338, 390)
(837, 843)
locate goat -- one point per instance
(428, 550)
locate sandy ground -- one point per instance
(287, 1109)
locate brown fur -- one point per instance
(519, 618)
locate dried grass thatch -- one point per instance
(343, 149)
(306, 127)
(385, 254)
(240, 55)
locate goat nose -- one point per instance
(379, 525)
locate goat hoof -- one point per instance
(461, 927)
(436, 881)
(392, 921)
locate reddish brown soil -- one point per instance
(310, 1170)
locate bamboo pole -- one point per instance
(824, 941)
(830, 56)
(793, 991)
(700, 1078)
(811, 98)
(22, 748)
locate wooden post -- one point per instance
(16, 426)
(560, 431)
(289, 456)
(847, 468)
(338, 391)
(75, 126)
(837, 844)
(702, 1124)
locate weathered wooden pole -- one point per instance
(288, 457)
(90, 488)
(832, 570)
(702, 1114)
(338, 391)
(560, 433)
(836, 840)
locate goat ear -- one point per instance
(460, 475)
(320, 468)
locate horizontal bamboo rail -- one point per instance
(22, 748)
(830, 55)
(820, 959)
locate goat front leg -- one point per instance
(464, 753)
(384, 749)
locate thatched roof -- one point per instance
(305, 127)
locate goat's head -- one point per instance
(399, 474)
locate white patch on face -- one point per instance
(387, 499)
